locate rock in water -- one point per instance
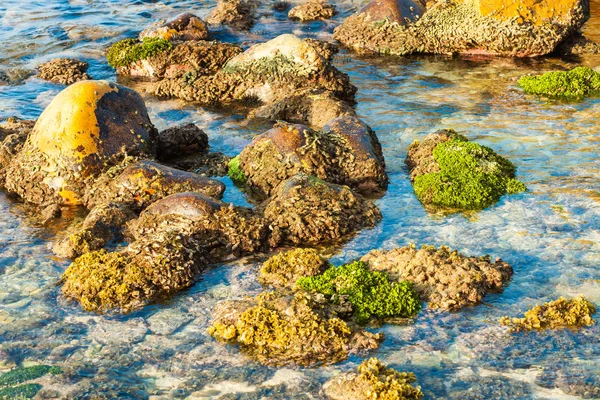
(312, 10)
(184, 27)
(64, 71)
(401, 12)
(87, 128)
(239, 14)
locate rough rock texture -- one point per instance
(522, 28)
(284, 269)
(64, 71)
(239, 14)
(87, 128)
(181, 141)
(312, 10)
(289, 329)
(13, 134)
(453, 174)
(573, 85)
(577, 44)
(373, 381)
(184, 27)
(561, 313)
(346, 152)
(445, 278)
(264, 73)
(326, 49)
(308, 211)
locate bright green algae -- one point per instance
(8, 380)
(371, 293)
(128, 51)
(471, 176)
(235, 172)
(576, 84)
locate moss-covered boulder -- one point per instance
(13, 384)
(522, 28)
(284, 269)
(64, 71)
(448, 171)
(184, 27)
(561, 313)
(289, 329)
(239, 14)
(308, 211)
(445, 278)
(87, 128)
(576, 84)
(312, 10)
(373, 380)
(181, 141)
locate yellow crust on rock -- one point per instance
(536, 12)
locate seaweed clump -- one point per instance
(10, 381)
(284, 269)
(561, 313)
(458, 174)
(235, 172)
(371, 293)
(373, 381)
(128, 51)
(576, 84)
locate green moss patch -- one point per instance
(371, 293)
(128, 51)
(9, 381)
(235, 172)
(27, 391)
(576, 84)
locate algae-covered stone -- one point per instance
(64, 70)
(239, 14)
(561, 313)
(449, 171)
(12, 384)
(308, 211)
(289, 329)
(129, 51)
(284, 269)
(373, 380)
(87, 128)
(312, 10)
(445, 278)
(180, 141)
(371, 293)
(184, 27)
(576, 84)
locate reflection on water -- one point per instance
(551, 234)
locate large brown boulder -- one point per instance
(239, 14)
(184, 27)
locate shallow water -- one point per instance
(551, 234)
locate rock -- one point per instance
(180, 141)
(64, 71)
(51, 212)
(188, 204)
(453, 174)
(308, 211)
(14, 76)
(573, 85)
(284, 269)
(87, 128)
(282, 329)
(167, 321)
(13, 135)
(576, 45)
(312, 10)
(445, 278)
(523, 28)
(325, 49)
(239, 14)
(373, 381)
(184, 27)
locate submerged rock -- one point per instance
(522, 28)
(87, 128)
(373, 381)
(64, 71)
(450, 172)
(13, 383)
(561, 313)
(282, 329)
(284, 269)
(445, 278)
(181, 141)
(576, 84)
(312, 10)
(184, 27)
(308, 211)
(239, 14)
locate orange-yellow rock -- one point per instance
(534, 11)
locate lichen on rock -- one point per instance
(576, 84)
(284, 269)
(312, 10)
(561, 313)
(64, 71)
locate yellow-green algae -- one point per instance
(128, 51)
(371, 293)
(235, 172)
(561, 313)
(576, 84)
(470, 176)
(284, 269)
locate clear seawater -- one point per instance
(551, 234)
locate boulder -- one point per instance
(64, 71)
(284, 269)
(401, 12)
(239, 14)
(181, 141)
(184, 27)
(312, 10)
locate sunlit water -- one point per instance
(551, 234)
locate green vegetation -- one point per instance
(128, 51)
(8, 380)
(576, 84)
(235, 172)
(471, 176)
(371, 293)
(27, 391)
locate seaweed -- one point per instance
(573, 85)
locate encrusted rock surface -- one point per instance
(184, 27)
(284, 269)
(312, 10)
(64, 71)
(181, 141)
(239, 14)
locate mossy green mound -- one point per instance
(235, 172)
(561, 313)
(9, 381)
(128, 51)
(469, 176)
(576, 84)
(371, 293)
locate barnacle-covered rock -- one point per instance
(279, 328)
(184, 27)
(345, 152)
(445, 278)
(308, 211)
(312, 10)
(239, 14)
(373, 381)
(87, 128)
(576, 84)
(561, 313)
(181, 141)
(13, 134)
(450, 172)
(64, 70)
(284, 269)
(520, 28)
(326, 49)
